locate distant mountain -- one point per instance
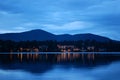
(41, 35)
(28, 35)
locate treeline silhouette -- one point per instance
(52, 46)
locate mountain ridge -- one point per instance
(41, 35)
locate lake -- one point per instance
(57, 66)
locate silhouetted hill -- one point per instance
(28, 35)
(41, 35)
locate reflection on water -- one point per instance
(46, 57)
(68, 57)
(56, 57)
(66, 66)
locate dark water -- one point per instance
(57, 66)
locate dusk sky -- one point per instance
(100, 17)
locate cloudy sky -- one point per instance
(100, 17)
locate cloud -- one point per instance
(107, 13)
(27, 26)
(4, 13)
(9, 31)
(20, 28)
(9, 6)
(76, 25)
(106, 7)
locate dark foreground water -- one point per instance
(60, 66)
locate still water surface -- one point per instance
(57, 66)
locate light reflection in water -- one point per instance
(27, 56)
(21, 57)
(56, 57)
(11, 56)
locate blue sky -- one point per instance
(100, 17)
